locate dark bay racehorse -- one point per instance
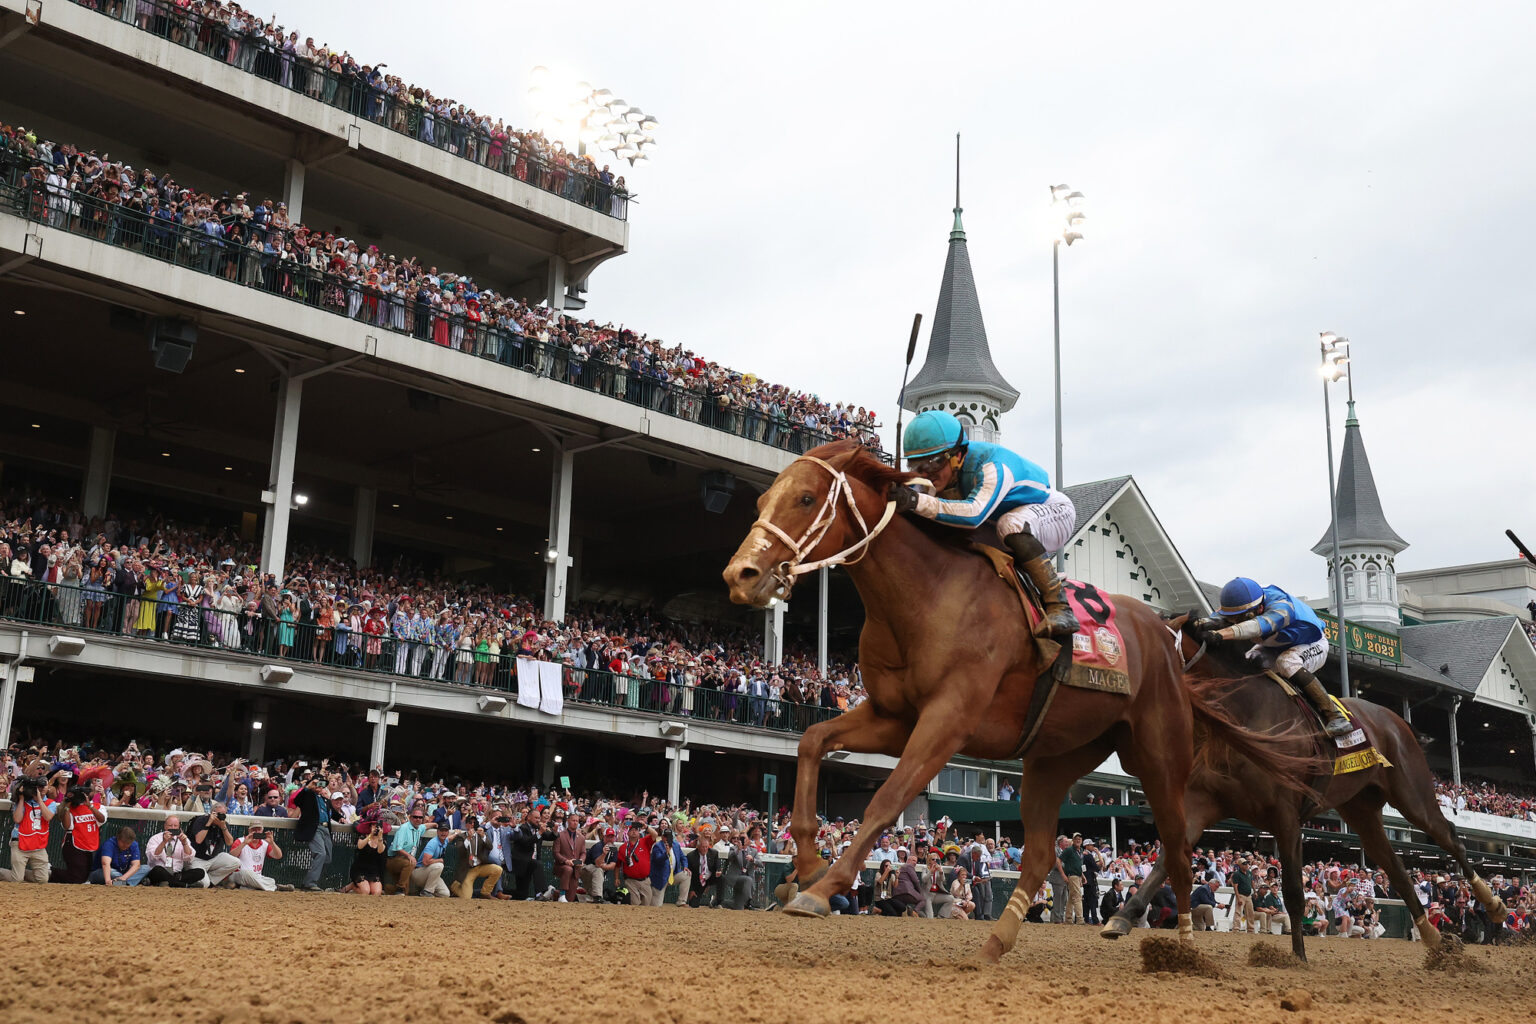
(949, 665)
(1223, 786)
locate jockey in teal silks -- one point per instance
(1287, 636)
(976, 482)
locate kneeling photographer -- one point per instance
(29, 833)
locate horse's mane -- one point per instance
(861, 464)
(866, 468)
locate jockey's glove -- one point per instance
(1202, 626)
(904, 497)
(1212, 638)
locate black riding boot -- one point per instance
(1334, 724)
(1029, 553)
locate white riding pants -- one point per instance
(1289, 660)
(1051, 521)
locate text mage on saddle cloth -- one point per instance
(1098, 648)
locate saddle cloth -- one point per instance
(1098, 648)
(1353, 751)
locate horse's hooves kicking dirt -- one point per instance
(1263, 954)
(1114, 928)
(1159, 954)
(1451, 958)
(806, 905)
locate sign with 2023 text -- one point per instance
(1373, 643)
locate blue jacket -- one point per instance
(992, 480)
(660, 876)
(1287, 622)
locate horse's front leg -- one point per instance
(860, 731)
(940, 733)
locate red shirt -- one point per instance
(33, 830)
(84, 829)
(635, 858)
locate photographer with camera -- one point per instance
(29, 836)
(312, 807)
(368, 864)
(474, 862)
(211, 840)
(170, 855)
(82, 836)
(253, 849)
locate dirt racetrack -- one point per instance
(160, 955)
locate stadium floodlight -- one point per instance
(575, 112)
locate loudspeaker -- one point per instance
(171, 342)
(715, 490)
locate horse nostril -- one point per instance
(746, 572)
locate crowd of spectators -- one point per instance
(160, 580)
(249, 239)
(1485, 797)
(410, 831)
(242, 39)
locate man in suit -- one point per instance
(474, 862)
(570, 852)
(1112, 900)
(523, 846)
(739, 885)
(704, 870)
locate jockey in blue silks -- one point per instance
(1287, 635)
(976, 482)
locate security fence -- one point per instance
(92, 608)
(365, 97)
(265, 259)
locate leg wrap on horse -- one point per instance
(1428, 933)
(1187, 927)
(1029, 553)
(1497, 912)
(1334, 724)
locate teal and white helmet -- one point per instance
(932, 433)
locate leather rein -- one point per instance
(840, 492)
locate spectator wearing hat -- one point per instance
(311, 805)
(253, 849)
(599, 863)
(434, 858)
(1270, 908)
(368, 863)
(635, 862)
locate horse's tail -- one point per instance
(1287, 754)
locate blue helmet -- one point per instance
(932, 432)
(1240, 596)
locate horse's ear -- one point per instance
(1177, 622)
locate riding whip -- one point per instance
(901, 403)
(1508, 533)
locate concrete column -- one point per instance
(1407, 711)
(8, 687)
(256, 726)
(365, 510)
(97, 486)
(823, 580)
(293, 189)
(1455, 744)
(381, 720)
(1114, 837)
(279, 492)
(773, 633)
(557, 564)
(554, 290)
(676, 755)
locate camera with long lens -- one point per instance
(27, 788)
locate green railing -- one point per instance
(364, 96)
(92, 608)
(154, 231)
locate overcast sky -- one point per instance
(1251, 179)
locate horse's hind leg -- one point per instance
(1364, 815)
(861, 731)
(1410, 790)
(1042, 785)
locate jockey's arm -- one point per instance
(975, 508)
(1261, 627)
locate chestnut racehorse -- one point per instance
(1234, 787)
(949, 666)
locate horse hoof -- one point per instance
(1114, 928)
(785, 892)
(807, 905)
(1498, 912)
(992, 950)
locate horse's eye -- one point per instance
(807, 500)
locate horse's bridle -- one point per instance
(785, 572)
(1178, 646)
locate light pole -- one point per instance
(1069, 204)
(1335, 367)
(592, 117)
